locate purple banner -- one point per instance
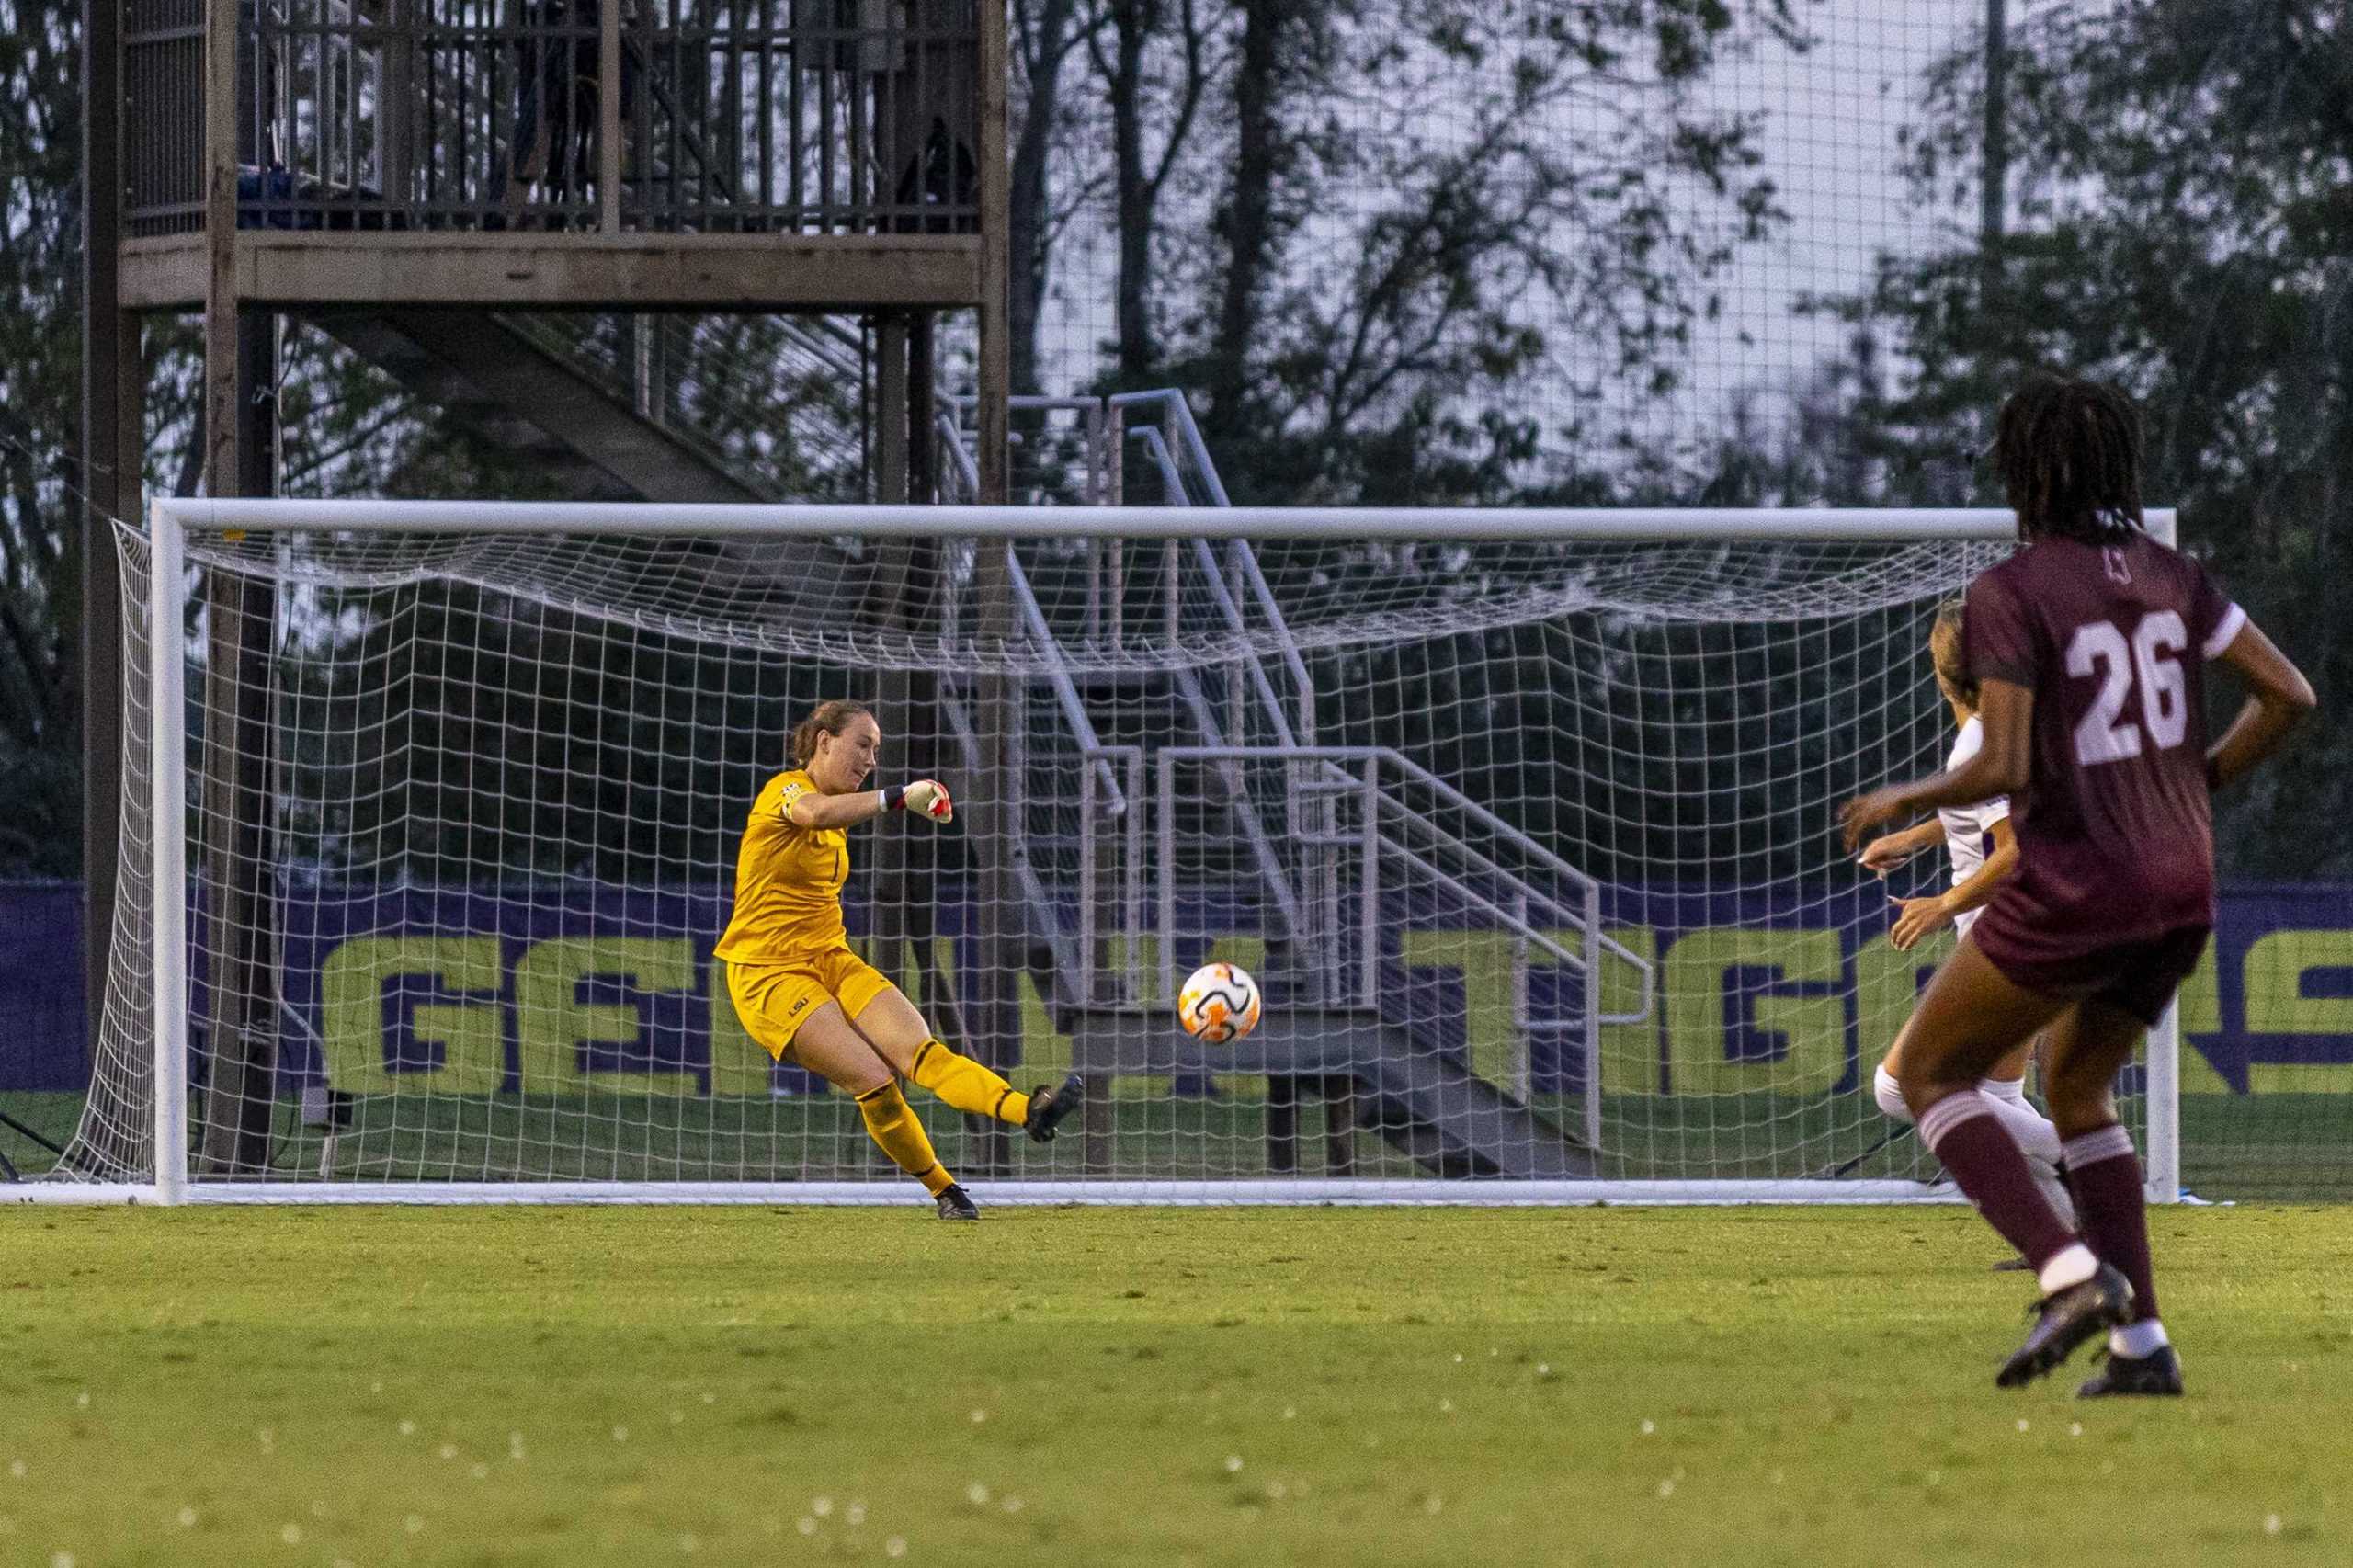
(43, 1029)
(489, 992)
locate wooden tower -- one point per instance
(399, 171)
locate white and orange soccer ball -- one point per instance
(1218, 1005)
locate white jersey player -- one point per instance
(1979, 842)
(1969, 830)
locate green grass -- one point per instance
(1114, 1387)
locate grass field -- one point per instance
(1112, 1387)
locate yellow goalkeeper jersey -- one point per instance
(787, 881)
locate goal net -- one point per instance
(1522, 820)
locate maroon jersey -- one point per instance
(2114, 832)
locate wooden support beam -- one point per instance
(583, 271)
(998, 706)
(109, 406)
(996, 193)
(238, 913)
(892, 886)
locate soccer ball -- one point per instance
(1218, 1005)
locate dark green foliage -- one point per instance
(40, 806)
(2184, 230)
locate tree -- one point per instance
(2184, 226)
(40, 583)
(1138, 84)
(1045, 34)
(1429, 222)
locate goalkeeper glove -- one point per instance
(924, 797)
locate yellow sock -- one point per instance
(894, 1125)
(966, 1085)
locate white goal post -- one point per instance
(1513, 806)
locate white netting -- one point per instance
(1175, 602)
(1528, 845)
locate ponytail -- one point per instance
(1945, 651)
(830, 718)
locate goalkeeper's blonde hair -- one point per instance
(826, 719)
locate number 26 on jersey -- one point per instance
(2151, 657)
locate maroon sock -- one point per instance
(1963, 1131)
(2105, 1176)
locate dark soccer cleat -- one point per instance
(2064, 1320)
(955, 1203)
(2158, 1373)
(1048, 1107)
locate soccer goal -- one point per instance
(1523, 820)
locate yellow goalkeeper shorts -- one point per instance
(775, 999)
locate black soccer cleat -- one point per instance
(1049, 1108)
(2064, 1320)
(2158, 1373)
(955, 1203)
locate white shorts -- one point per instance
(1964, 920)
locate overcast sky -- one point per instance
(1831, 115)
(1830, 142)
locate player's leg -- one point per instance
(2005, 1090)
(1969, 1018)
(2038, 1137)
(2089, 1044)
(785, 1007)
(897, 1032)
(1887, 1089)
(2087, 1051)
(826, 1045)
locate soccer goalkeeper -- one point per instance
(801, 991)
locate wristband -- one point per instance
(894, 799)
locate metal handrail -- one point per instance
(1261, 846)
(952, 438)
(1591, 887)
(1387, 756)
(1131, 869)
(1455, 797)
(1206, 559)
(1033, 617)
(1165, 460)
(1033, 888)
(1073, 707)
(1179, 414)
(1585, 919)
(1517, 925)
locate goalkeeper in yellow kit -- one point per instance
(800, 991)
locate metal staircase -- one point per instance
(522, 385)
(1121, 877)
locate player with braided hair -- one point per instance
(801, 991)
(2069, 453)
(2089, 648)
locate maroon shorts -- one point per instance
(2139, 976)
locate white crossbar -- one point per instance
(1636, 524)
